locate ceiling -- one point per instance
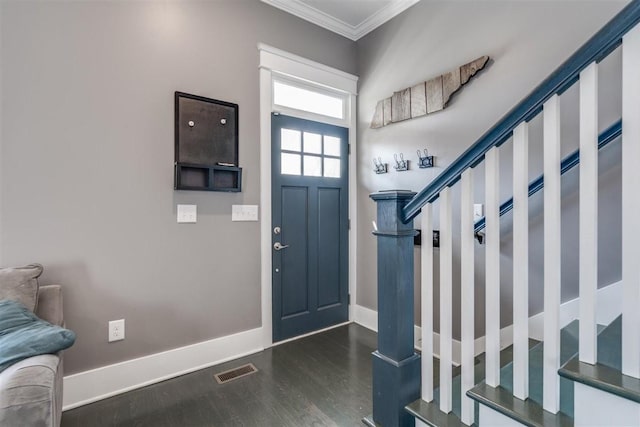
(349, 18)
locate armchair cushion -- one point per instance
(50, 304)
(23, 334)
(21, 284)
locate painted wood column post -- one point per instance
(396, 366)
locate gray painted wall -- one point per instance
(526, 41)
(86, 172)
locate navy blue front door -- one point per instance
(310, 226)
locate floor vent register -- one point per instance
(235, 373)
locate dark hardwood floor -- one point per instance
(321, 380)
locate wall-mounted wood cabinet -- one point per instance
(206, 144)
(208, 178)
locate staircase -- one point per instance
(582, 373)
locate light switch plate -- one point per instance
(187, 214)
(478, 211)
(244, 212)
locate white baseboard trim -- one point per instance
(608, 307)
(100, 383)
(369, 319)
(506, 339)
(366, 317)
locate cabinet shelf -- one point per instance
(206, 139)
(194, 177)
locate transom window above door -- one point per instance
(310, 99)
(309, 154)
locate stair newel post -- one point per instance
(396, 366)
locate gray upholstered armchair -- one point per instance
(31, 390)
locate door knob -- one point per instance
(279, 246)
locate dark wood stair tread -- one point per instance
(603, 378)
(430, 414)
(606, 375)
(526, 412)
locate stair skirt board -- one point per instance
(498, 406)
(530, 413)
(507, 403)
(608, 308)
(609, 352)
(606, 396)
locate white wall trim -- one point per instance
(369, 319)
(609, 306)
(389, 12)
(353, 207)
(265, 203)
(331, 23)
(289, 64)
(274, 62)
(100, 383)
(366, 317)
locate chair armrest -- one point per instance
(50, 304)
(31, 392)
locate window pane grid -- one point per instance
(331, 146)
(290, 139)
(290, 164)
(312, 165)
(312, 143)
(331, 167)
(310, 154)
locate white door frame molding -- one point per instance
(273, 63)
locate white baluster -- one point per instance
(588, 212)
(492, 273)
(467, 295)
(446, 300)
(521, 261)
(552, 261)
(427, 302)
(630, 203)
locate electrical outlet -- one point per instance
(187, 213)
(116, 330)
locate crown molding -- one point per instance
(385, 14)
(324, 20)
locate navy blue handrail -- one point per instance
(607, 136)
(596, 49)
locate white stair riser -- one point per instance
(595, 407)
(490, 418)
